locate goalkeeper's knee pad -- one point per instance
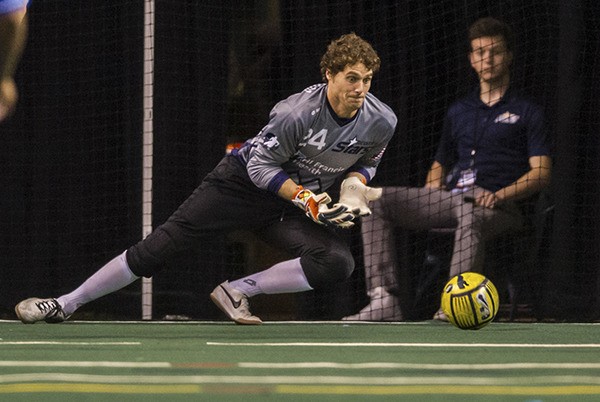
(324, 269)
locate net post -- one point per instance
(148, 137)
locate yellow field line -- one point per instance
(23, 388)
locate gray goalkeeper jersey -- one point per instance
(305, 141)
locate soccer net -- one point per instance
(125, 106)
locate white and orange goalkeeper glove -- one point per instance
(355, 196)
(315, 207)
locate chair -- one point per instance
(512, 263)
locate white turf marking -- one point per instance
(69, 343)
(305, 365)
(254, 380)
(412, 345)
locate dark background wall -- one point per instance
(71, 155)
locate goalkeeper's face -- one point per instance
(490, 58)
(347, 89)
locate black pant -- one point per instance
(227, 200)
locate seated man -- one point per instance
(493, 152)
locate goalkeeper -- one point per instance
(492, 154)
(275, 186)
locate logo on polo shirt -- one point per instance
(507, 118)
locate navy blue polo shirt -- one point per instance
(495, 140)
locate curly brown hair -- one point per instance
(347, 50)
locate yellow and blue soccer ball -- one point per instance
(470, 300)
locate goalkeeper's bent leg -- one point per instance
(284, 277)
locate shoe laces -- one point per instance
(48, 306)
(52, 311)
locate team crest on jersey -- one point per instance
(354, 147)
(270, 141)
(507, 118)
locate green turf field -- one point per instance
(283, 361)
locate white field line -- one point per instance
(303, 365)
(411, 345)
(254, 380)
(344, 380)
(69, 343)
